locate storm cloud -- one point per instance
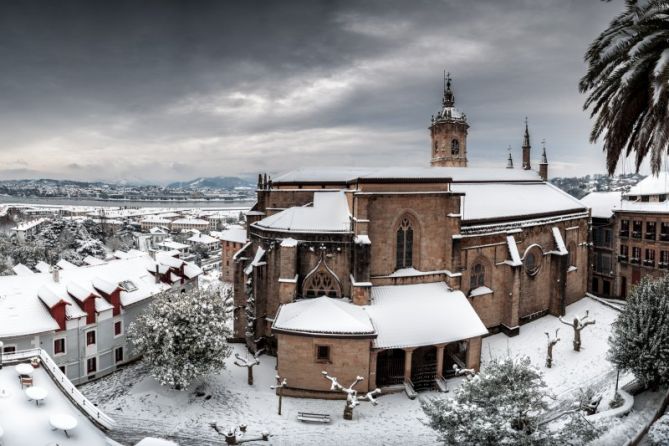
(154, 91)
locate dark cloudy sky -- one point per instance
(165, 90)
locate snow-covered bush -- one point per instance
(659, 431)
(504, 404)
(183, 336)
(639, 341)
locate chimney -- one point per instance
(157, 273)
(509, 163)
(55, 274)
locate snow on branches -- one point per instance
(578, 325)
(504, 404)
(352, 398)
(182, 336)
(639, 341)
(249, 364)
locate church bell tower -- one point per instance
(448, 130)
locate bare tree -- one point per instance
(249, 364)
(352, 399)
(578, 325)
(237, 435)
(549, 347)
(280, 384)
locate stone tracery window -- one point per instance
(455, 147)
(321, 281)
(404, 249)
(477, 277)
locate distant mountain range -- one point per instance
(212, 182)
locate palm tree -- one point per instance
(627, 84)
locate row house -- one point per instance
(79, 315)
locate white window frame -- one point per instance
(64, 338)
(114, 328)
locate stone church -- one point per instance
(396, 274)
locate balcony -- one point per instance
(634, 260)
(622, 259)
(650, 236)
(664, 236)
(636, 234)
(626, 233)
(663, 265)
(648, 262)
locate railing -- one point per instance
(650, 236)
(624, 233)
(634, 260)
(622, 258)
(636, 234)
(648, 262)
(664, 236)
(69, 390)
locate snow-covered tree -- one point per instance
(504, 404)
(183, 336)
(659, 431)
(639, 341)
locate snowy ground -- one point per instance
(141, 407)
(571, 370)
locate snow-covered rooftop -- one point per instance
(602, 203)
(346, 174)
(26, 424)
(329, 213)
(422, 314)
(324, 315)
(171, 244)
(651, 185)
(502, 200)
(203, 238)
(233, 233)
(24, 303)
(190, 221)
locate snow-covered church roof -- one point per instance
(328, 213)
(456, 174)
(508, 200)
(323, 315)
(400, 316)
(421, 314)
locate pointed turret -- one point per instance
(526, 147)
(509, 162)
(449, 97)
(543, 165)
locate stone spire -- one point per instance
(449, 97)
(543, 165)
(526, 147)
(509, 162)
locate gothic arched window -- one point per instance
(321, 283)
(455, 147)
(404, 258)
(477, 277)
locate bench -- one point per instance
(308, 417)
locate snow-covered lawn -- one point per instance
(571, 370)
(141, 407)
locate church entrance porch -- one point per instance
(424, 368)
(390, 367)
(455, 354)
